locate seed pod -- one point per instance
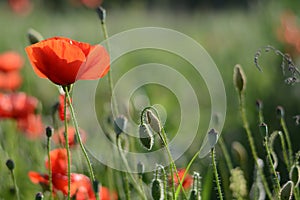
(146, 136)
(286, 192)
(120, 124)
(10, 164)
(153, 121)
(239, 78)
(49, 131)
(157, 191)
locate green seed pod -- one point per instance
(146, 136)
(49, 131)
(39, 196)
(153, 121)
(286, 192)
(295, 175)
(34, 36)
(157, 191)
(10, 164)
(120, 124)
(239, 78)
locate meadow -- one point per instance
(230, 36)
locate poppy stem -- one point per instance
(214, 164)
(78, 137)
(67, 143)
(50, 168)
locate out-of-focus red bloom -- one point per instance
(63, 61)
(61, 108)
(187, 182)
(10, 81)
(17, 105)
(10, 61)
(60, 138)
(59, 161)
(91, 3)
(31, 125)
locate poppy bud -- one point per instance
(259, 104)
(140, 169)
(34, 36)
(96, 186)
(286, 192)
(263, 128)
(101, 13)
(10, 164)
(153, 121)
(120, 124)
(194, 195)
(157, 190)
(49, 131)
(239, 79)
(39, 196)
(146, 136)
(295, 175)
(280, 111)
(212, 138)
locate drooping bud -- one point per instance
(286, 191)
(157, 190)
(239, 78)
(34, 36)
(120, 124)
(280, 112)
(153, 121)
(194, 195)
(259, 104)
(39, 196)
(146, 136)
(140, 169)
(101, 13)
(10, 164)
(295, 175)
(49, 131)
(96, 186)
(212, 138)
(263, 129)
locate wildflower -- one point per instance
(10, 81)
(91, 3)
(31, 125)
(59, 137)
(20, 6)
(10, 61)
(59, 161)
(61, 108)
(63, 61)
(188, 180)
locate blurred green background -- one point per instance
(231, 32)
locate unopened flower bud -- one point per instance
(280, 111)
(146, 136)
(101, 13)
(49, 131)
(212, 137)
(39, 196)
(157, 191)
(140, 169)
(259, 104)
(120, 124)
(239, 79)
(10, 164)
(194, 195)
(96, 186)
(286, 192)
(153, 121)
(34, 36)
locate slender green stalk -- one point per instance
(252, 146)
(288, 141)
(215, 170)
(15, 184)
(284, 153)
(135, 184)
(276, 183)
(78, 137)
(49, 170)
(225, 153)
(67, 145)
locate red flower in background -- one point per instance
(81, 186)
(31, 125)
(20, 6)
(10, 61)
(60, 138)
(91, 3)
(61, 108)
(188, 180)
(10, 81)
(63, 61)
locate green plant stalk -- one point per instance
(288, 141)
(140, 192)
(260, 116)
(78, 137)
(276, 183)
(225, 153)
(15, 184)
(284, 153)
(252, 146)
(49, 170)
(215, 170)
(67, 145)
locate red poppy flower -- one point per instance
(20, 6)
(10, 81)
(31, 125)
(10, 61)
(188, 180)
(59, 161)
(91, 3)
(60, 138)
(61, 108)
(63, 61)
(17, 105)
